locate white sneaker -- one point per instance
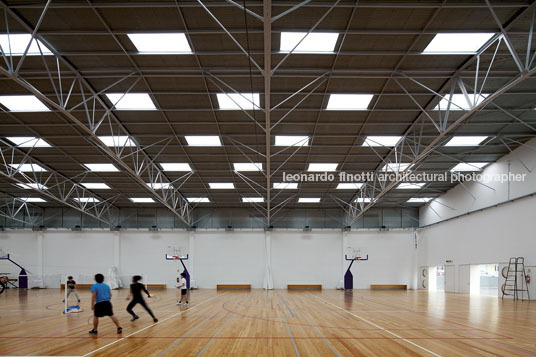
(186, 304)
(178, 302)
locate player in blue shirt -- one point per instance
(101, 294)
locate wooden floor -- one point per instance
(275, 323)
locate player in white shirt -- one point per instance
(181, 284)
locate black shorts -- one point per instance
(184, 291)
(103, 308)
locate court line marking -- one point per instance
(147, 327)
(377, 326)
(187, 333)
(318, 331)
(213, 337)
(290, 332)
(288, 307)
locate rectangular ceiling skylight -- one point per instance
(101, 167)
(349, 185)
(466, 140)
(176, 166)
(198, 199)
(381, 140)
(411, 185)
(159, 185)
(23, 103)
(248, 166)
(290, 140)
(141, 200)
(32, 186)
(237, 101)
(95, 186)
(322, 167)
(221, 185)
(363, 200)
(457, 43)
(131, 101)
(285, 185)
(314, 42)
(160, 43)
(28, 167)
(117, 140)
(309, 200)
(459, 101)
(199, 140)
(395, 167)
(252, 199)
(420, 199)
(32, 199)
(28, 142)
(16, 45)
(86, 199)
(470, 166)
(349, 101)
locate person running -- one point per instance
(71, 288)
(135, 293)
(184, 290)
(101, 294)
(3, 283)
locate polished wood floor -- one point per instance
(274, 323)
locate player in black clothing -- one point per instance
(3, 283)
(135, 292)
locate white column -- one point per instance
(191, 256)
(344, 244)
(40, 267)
(268, 282)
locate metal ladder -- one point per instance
(516, 266)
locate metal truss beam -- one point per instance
(131, 156)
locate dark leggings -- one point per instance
(142, 303)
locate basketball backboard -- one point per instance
(174, 253)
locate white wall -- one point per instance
(459, 200)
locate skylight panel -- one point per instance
(237, 101)
(141, 200)
(95, 186)
(32, 199)
(289, 140)
(28, 142)
(159, 185)
(420, 199)
(314, 42)
(101, 167)
(466, 140)
(381, 140)
(221, 185)
(86, 199)
(457, 43)
(16, 45)
(459, 101)
(309, 200)
(411, 185)
(117, 140)
(285, 185)
(131, 101)
(248, 166)
(199, 140)
(160, 43)
(349, 101)
(395, 167)
(32, 186)
(198, 199)
(176, 166)
(28, 167)
(252, 199)
(322, 167)
(349, 185)
(470, 166)
(23, 103)
(363, 200)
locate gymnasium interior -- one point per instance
(330, 177)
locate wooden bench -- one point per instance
(389, 287)
(304, 287)
(156, 286)
(233, 287)
(79, 286)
